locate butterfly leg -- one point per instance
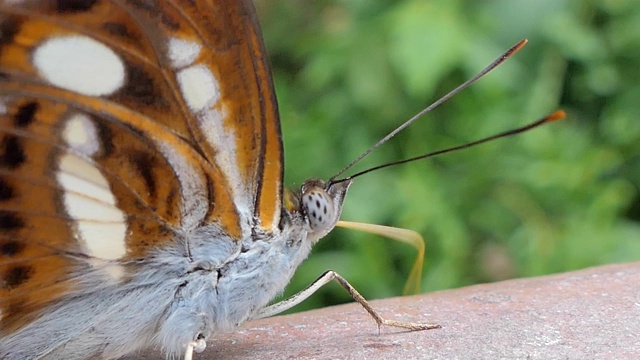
(325, 279)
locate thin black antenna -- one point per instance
(556, 115)
(446, 97)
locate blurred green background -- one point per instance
(559, 198)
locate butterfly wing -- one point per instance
(124, 125)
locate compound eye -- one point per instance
(319, 208)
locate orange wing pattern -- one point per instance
(170, 122)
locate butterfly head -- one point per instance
(319, 203)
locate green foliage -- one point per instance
(562, 197)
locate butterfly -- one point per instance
(141, 170)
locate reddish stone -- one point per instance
(587, 314)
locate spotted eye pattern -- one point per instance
(319, 208)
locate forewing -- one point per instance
(124, 125)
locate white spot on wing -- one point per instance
(102, 240)
(182, 52)
(80, 134)
(80, 64)
(83, 177)
(85, 208)
(199, 87)
(100, 225)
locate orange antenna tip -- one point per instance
(520, 45)
(556, 115)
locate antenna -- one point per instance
(507, 54)
(556, 115)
